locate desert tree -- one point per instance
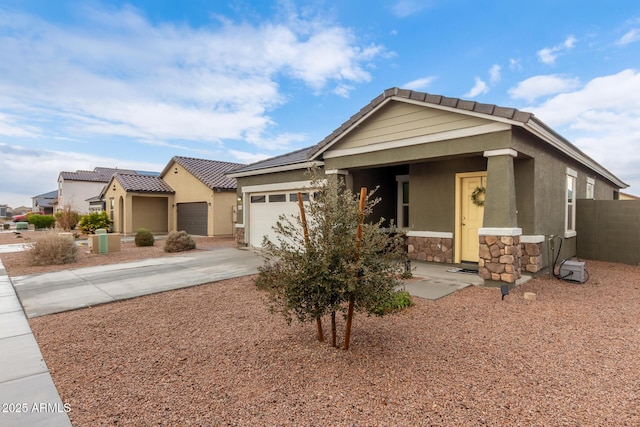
(329, 260)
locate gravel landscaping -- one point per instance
(213, 355)
(16, 263)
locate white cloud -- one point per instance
(603, 119)
(44, 166)
(478, 89)
(8, 127)
(245, 157)
(515, 64)
(122, 75)
(540, 86)
(548, 55)
(631, 36)
(419, 84)
(404, 8)
(494, 74)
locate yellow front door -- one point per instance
(470, 216)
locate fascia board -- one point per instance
(275, 169)
(542, 131)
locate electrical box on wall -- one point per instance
(573, 271)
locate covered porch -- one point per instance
(458, 210)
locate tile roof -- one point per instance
(210, 172)
(142, 183)
(520, 118)
(293, 158)
(97, 175)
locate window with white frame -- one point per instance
(403, 201)
(590, 192)
(570, 206)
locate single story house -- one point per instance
(468, 182)
(190, 194)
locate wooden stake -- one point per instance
(305, 230)
(347, 332)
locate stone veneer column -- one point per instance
(499, 239)
(532, 253)
(240, 236)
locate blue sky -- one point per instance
(132, 84)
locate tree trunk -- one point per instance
(347, 332)
(333, 329)
(320, 333)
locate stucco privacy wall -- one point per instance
(609, 230)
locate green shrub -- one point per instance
(144, 238)
(41, 221)
(52, 249)
(91, 222)
(6, 225)
(397, 301)
(179, 241)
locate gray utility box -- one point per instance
(573, 271)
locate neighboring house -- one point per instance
(205, 197)
(44, 202)
(190, 194)
(138, 201)
(97, 203)
(75, 189)
(468, 182)
(625, 196)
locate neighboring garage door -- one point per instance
(264, 210)
(192, 218)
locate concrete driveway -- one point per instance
(49, 293)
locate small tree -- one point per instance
(67, 218)
(333, 262)
(91, 222)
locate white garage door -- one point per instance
(264, 210)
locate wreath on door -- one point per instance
(477, 197)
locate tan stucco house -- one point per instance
(190, 194)
(468, 182)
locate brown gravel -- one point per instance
(15, 263)
(212, 355)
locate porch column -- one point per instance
(499, 238)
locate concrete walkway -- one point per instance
(27, 393)
(24, 376)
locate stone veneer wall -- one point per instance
(432, 249)
(500, 258)
(239, 236)
(531, 260)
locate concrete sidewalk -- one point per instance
(27, 393)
